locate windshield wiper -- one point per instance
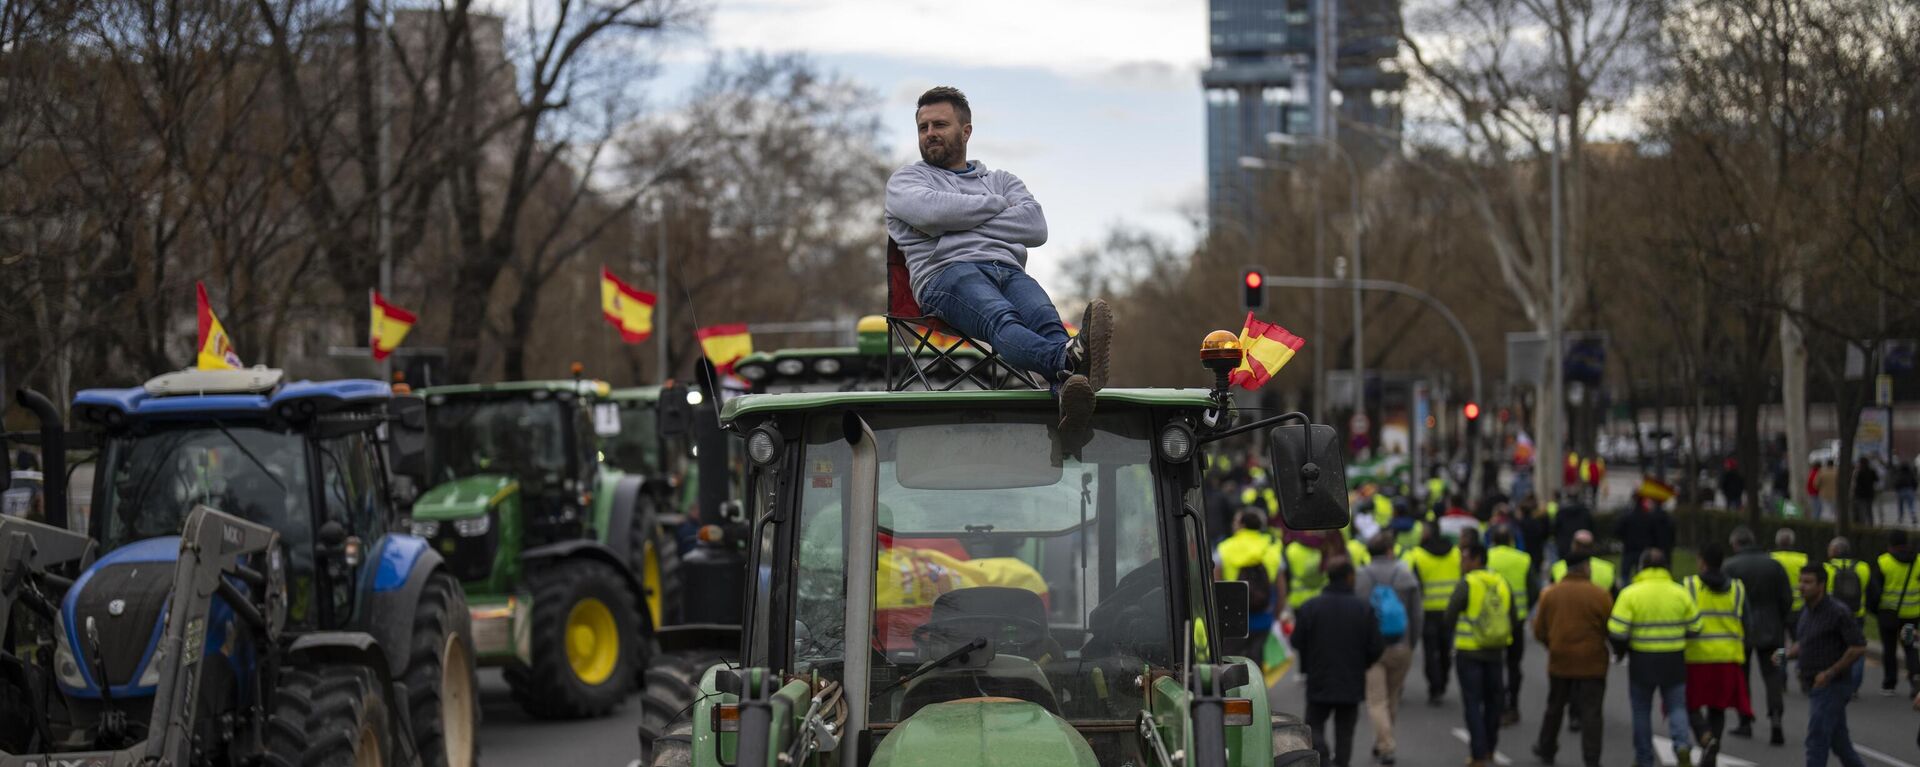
(249, 454)
(977, 644)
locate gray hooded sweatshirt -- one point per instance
(942, 217)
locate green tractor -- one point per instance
(555, 547)
(946, 578)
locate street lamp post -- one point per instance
(1278, 139)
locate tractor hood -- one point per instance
(984, 732)
(464, 497)
(125, 594)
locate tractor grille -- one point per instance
(468, 558)
(142, 588)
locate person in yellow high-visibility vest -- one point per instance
(1897, 580)
(1436, 562)
(1650, 624)
(1485, 619)
(1262, 496)
(1792, 560)
(1600, 571)
(1251, 555)
(1715, 647)
(1304, 558)
(1516, 568)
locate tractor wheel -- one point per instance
(672, 685)
(656, 554)
(330, 716)
(441, 685)
(675, 748)
(586, 642)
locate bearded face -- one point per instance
(943, 138)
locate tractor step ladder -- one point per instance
(925, 353)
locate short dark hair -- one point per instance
(1713, 555)
(1251, 518)
(1475, 550)
(1896, 537)
(946, 94)
(1653, 558)
(1501, 535)
(1742, 536)
(1339, 569)
(1381, 544)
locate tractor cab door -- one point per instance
(351, 515)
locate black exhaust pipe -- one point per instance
(53, 455)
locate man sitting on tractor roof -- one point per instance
(965, 233)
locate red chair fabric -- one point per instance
(900, 300)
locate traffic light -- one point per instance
(1471, 411)
(1253, 288)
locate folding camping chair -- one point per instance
(930, 346)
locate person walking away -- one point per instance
(1897, 581)
(1572, 516)
(1337, 636)
(1516, 568)
(1866, 485)
(1827, 485)
(1636, 533)
(1733, 484)
(1714, 651)
(965, 232)
(1793, 560)
(1304, 562)
(1436, 562)
(1388, 585)
(1848, 582)
(1537, 531)
(1770, 595)
(1250, 555)
(1484, 617)
(1601, 572)
(1571, 622)
(1828, 642)
(1650, 624)
(1906, 486)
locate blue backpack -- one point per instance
(1393, 614)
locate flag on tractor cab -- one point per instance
(216, 349)
(725, 345)
(1266, 348)
(626, 307)
(390, 324)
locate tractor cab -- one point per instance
(955, 580)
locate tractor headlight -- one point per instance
(473, 527)
(65, 666)
(789, 367)
(749, 372)
(763, 445)
(694, 397)
(1176, 443)
(826, 366)
(425, 528)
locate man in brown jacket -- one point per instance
(1571, 621)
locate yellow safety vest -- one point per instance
(1261, 497)
(1382, 509)
(1438, 576)
(1859, 569)
(1599, 571)
(1487, 623)
(1306, 578)
(1436, 490)
(1357, 551)
(1246, 548)
(1553, 510)
(1653, 614)
(1513, 565)
(1405, 543)
(1720, 631)
(1900, 594)
(1793, 562)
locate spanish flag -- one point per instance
(1267, 348)
(1652, 489)
(626, 307)
(216, 349)
(725, 345)
(390, 324)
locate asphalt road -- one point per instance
(1883, 728)
(510, 736)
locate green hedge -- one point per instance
(1693, 527)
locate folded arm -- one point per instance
(935, 212)
(1022, 222)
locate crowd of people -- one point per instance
(1455, 593)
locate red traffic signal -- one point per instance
(1253, 288)
(1254, 279)
(1471, 411)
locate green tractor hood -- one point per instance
(991, 732)
(464, 497)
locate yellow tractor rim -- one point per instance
(650, 579)
(593, 641)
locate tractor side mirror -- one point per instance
(405, 492)
(1309, 476)
(407, 439)
(673, 414)
(1232, 601)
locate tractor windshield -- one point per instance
(521, 438)
(637, 447)
(985, 533)
(152, 480)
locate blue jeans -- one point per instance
(1906, 501)
(1483, 695)
(1673, 697)
(1004, 307)
(1827, 725)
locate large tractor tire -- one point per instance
(675, 748)
(586, 641)
(672, 685)
(656, 558)
(330, 716)
(441, 686)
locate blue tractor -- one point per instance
(340, 640)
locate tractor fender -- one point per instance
(628, 491)
(586, 549)
(406, 563)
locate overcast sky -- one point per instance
(1095, 104)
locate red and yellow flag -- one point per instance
(1267, 348)
(390, 324)
(216, 349)
(725, 345)
(626, 307)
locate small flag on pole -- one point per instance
(216, 349)
(390, 324)
(1267, 348)
(626, 307)
(725, 345)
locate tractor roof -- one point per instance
(597, 387)
(642, 394)
(760, 404)
(192, 394)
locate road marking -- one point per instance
(1467, 738)
(1663, 747)
(1864, 751)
